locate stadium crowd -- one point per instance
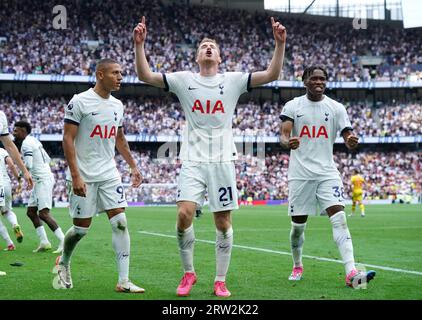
(386, 175)
(163, 116)
(102, 28)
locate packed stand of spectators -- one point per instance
(245, 40)
(386, 175)
(163, 116)
(401, 120)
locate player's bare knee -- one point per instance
(222, 221)
(185, 215)
(44, 214)
(299, 219)
(334, 209)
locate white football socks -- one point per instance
(11, 218)
(72, 237)
(59, 235)
(186, 241)
(297, 238)
(121, 244)
(5, 234)
(343, 240)
(42, 235)
(223, 250)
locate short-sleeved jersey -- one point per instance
(36, 158)
(357, 182)
(209, 104)
(316, 124)
(4, 175)
(4, 131)
(98, 120)
(4, 127)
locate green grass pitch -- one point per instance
(390, 236)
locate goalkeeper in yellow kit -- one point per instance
(357, 193)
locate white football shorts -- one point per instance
(7, 205)
(2, 196)
(305, 196)
(42, 194)
(218, 178)
(100, 196)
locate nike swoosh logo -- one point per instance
(121, 201)
(226, 204)
(300, 115)
(191, 88)
(95, 113)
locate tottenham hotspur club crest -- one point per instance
(221, 88)
(326, 116)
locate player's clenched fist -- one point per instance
(140, 32)
(294, 143)
(352, 142)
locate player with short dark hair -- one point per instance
(93, 129)
(41, 199)
(309, 129)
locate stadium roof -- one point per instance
(369, 9)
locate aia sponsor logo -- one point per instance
(208, 107)
(103, 132)
(313, 132)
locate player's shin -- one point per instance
(121, 245)
(186, 241)
(343, 240)
(11, 218)
(4, 234)
(72, 237)
(297, 238)
(223, 250)
(42, 235)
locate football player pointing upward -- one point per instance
(208, 99)
(93, 128)
(309, 128)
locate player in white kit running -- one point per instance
(208, 99)
(309, 129)
(93, 129)
(6, 210)
(14, 153)
(41, 199)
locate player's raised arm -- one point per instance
(14, 153)
(273, 71)
(12, 167)
(123, 148)
(142, 67)
(69, 134)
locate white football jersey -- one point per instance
(4, 131)
(36, 158)
(3, 166)
(4, 127)
(98, 120)
(316, 124)
(209, 104)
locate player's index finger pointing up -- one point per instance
(143, 20)
(272, 21)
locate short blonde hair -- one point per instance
(207, 40)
